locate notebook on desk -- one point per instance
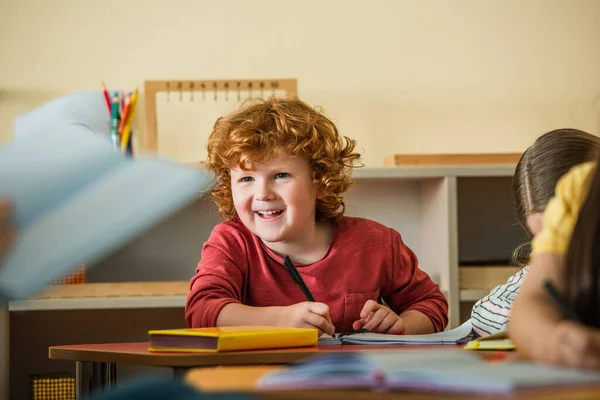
(459, 335)
(446, 370)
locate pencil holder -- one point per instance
(121, 108)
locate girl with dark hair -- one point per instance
(566, 255)
(536, 175)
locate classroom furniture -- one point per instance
(251, 88)
(461, 212)
(98, 363)
(4, 351)
(92, 312)
(107, 295)
(235, 379)
(396, 160)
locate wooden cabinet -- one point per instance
(448, 215)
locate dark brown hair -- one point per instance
(257, 131)
(540, 168)
(582, 267)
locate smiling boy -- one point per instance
(282, 170)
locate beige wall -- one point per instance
(400, 75)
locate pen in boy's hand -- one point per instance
(287, 261)
(341, 335)
(560, 303)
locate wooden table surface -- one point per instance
(138, 354)
(244, 378)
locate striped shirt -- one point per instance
(490, 314)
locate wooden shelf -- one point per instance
(102, 303)
(418, 172)
(476, 282)
(106, 296)
(473, 294)
(484, 277)
(453, 159)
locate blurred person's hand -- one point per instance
(8, 232)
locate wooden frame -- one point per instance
(151, 88)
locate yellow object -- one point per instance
(498, 341)
(129, 122)
(562, 210)
(230, 338)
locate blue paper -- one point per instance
(76, 200)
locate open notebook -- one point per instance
(446, 370)
(459, 335)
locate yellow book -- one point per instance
(230, 338)
(497, 341)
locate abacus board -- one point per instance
(180, 114)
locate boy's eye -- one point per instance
(245, 179)
(280, 175)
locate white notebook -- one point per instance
(76, 200)
(462, 334)
(431, 370)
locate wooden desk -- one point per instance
(243, 379)
(96, 364)
(138, 354)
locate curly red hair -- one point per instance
(261, 128)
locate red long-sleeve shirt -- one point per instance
(365, 260)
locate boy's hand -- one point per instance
(308, 315)
(378, 318)
(7, 231)
(570, 344)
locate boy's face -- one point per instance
(276, 200)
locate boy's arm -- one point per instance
(416, 323)
(219, 279)
(300, 315)
(413, 293)
(215, 296)
(216, 293)
(490, 314)
(239, 314)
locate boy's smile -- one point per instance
(269, 214)
(276, 200)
